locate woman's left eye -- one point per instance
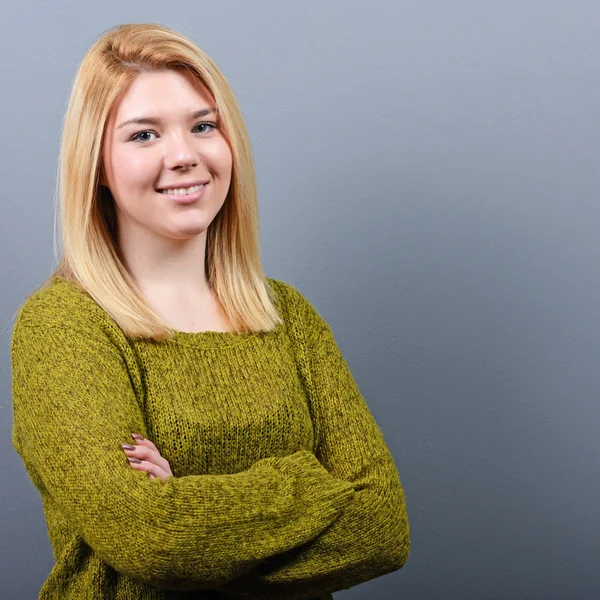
(208, 125)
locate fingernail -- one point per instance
(127, 447)
(134, 460)
(136, 436)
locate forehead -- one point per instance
(165, 94)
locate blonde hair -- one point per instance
(90, 256)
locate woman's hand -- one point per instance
(144, 456)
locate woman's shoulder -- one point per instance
(283, 290)
(286, 296)
(57, 303)
(294, 304)
(63, 304)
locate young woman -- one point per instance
(190, 424)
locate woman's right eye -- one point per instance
(136, 137)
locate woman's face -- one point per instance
(175, 143)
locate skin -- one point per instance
(162, 242)
(150, 459)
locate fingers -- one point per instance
(147, 454)
(152, 469)
(144, 456)
(143, 441)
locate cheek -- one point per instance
(133, 169)
(219, 158)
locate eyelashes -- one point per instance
(209, 124)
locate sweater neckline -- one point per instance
(211, 339)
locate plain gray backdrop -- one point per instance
(428, 178)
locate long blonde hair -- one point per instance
(91, 257)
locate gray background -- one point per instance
(428, 178)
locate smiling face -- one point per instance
(175, 142)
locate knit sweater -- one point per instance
(282, 488)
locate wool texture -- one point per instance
(283, 486)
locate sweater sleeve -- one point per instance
(73, 407)
(371, 538)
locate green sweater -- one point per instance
(283, 486)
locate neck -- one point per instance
(165, 266)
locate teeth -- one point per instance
(183, 191)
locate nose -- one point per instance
(181, 153)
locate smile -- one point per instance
(189, 195)
(182, 191)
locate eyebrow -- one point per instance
(156, 121)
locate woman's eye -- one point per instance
(207, 126)
(136, 137)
